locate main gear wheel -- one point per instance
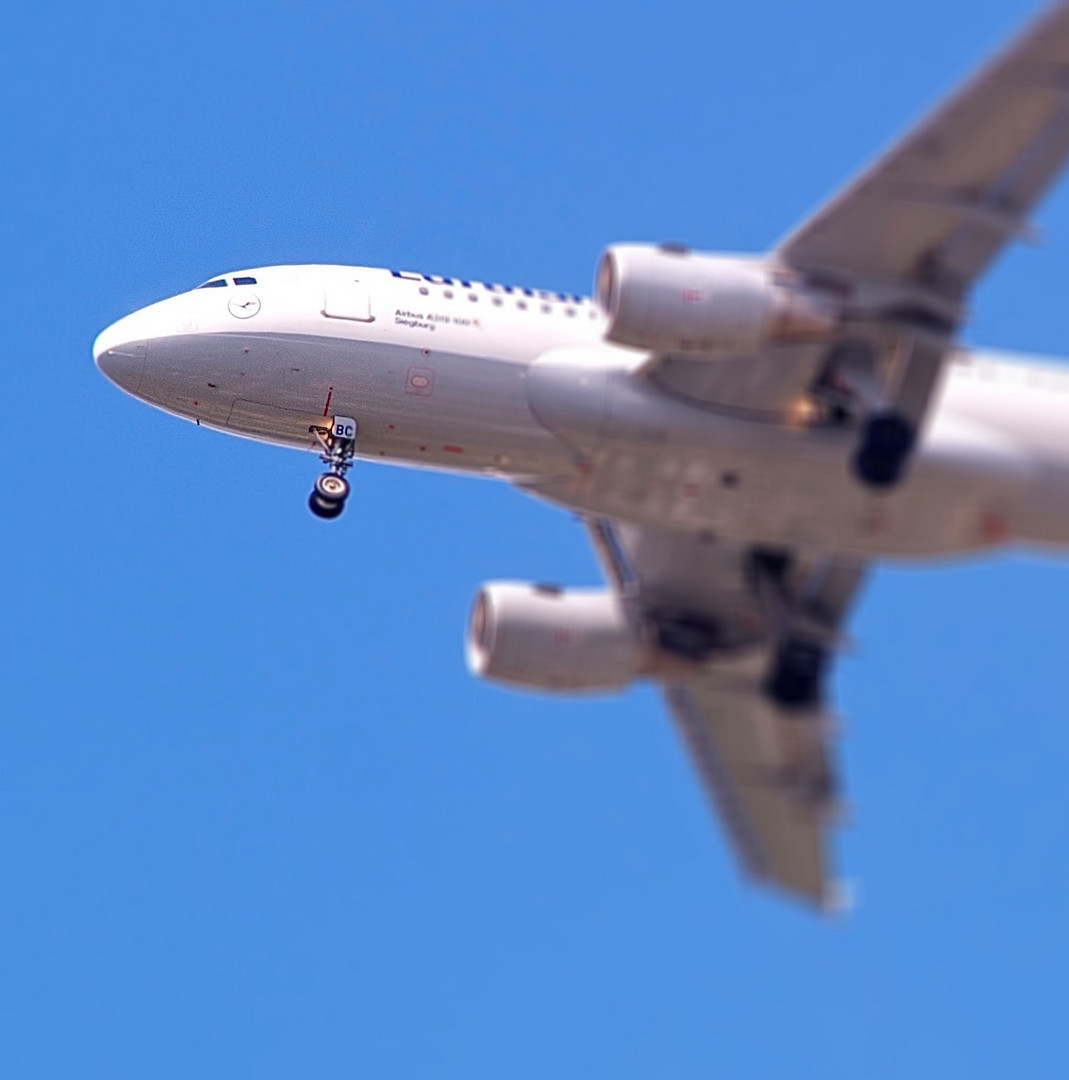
(797, 674)
(887, 441)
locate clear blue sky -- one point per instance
(234, 845)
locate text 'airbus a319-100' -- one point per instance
(743, 435)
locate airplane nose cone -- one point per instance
(120, 355)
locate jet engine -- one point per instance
(668, 299)
(546, 638)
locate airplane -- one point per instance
(743, 436)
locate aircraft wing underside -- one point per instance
(768, 771)
(769, 776)
(943, 201)
(902, 245)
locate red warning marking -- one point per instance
(563, 636)
(420, 381)
(993, 528)
(692, 491)
(326, 407)
(873, 522)
(453, 449)
(691, 296)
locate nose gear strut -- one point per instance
(338, 443)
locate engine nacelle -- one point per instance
(668, 299)
(546, 638)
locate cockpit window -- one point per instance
(218, 283)
(244, 281)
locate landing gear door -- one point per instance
(348, 300)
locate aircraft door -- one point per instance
(348, 300)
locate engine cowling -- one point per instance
(669, 299)
(546, 638)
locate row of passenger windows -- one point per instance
(495, 297)
(221, 283)
(520, 304)
(479, 286)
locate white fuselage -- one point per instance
(520, 384)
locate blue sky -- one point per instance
(234, 843)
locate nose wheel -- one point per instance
(328, 496)
(338, 444)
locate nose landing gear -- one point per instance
(328, 496)
(338, 444)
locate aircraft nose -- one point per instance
(120, 354)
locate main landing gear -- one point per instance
(795, 679)
(854, 390)
(887, 440)
(797, 674)
(338, 443)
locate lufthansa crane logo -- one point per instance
(244, 307)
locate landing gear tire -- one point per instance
(332, 488)
(794, 683)
(328, 496)
(325, 508)
(886, 444)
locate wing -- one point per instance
(767, 775)
(907, 240)
(720, 615)
(943, 201)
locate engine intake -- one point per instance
(545, 638)
(668, 299)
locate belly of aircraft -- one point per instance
(739, 479)
(412, 406)
(968, 490)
